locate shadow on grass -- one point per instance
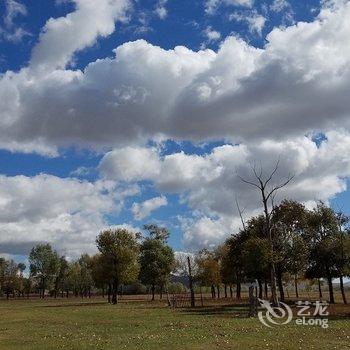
(238, 310)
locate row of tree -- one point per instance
(313, 244)
(123, 258)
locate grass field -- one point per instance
(92, 324)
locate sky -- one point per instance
(120, 113)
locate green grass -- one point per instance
(145, 325)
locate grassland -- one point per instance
(141, 324)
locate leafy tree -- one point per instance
(264, 184)
(235, 259)
(10, 278)
(256, 256)
(101, 274)
(323, 235)
(290, 249)
(208, 270)
(120, 250)
(44, 265)
(226, 267)
(157, 259)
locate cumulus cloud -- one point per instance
(279, 5)
(209, 184)
(79, 29)
(65, 212)
(161, 10)
(261, 101)
(11, 31)
(255, 21)
(211, 34)
(144, 209)
(284, 7)
(145, 92)
(212, 5)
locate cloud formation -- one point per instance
(265, 103)
(144, 209)
(145, 92)
(65, 212)
(210, 184)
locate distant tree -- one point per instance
(2, 273)
(11, 278)
(236, 260)
(289, 223)
(157, 258)
(61, 280)
(44, 265)
(256, 258)
(208, 271)
(264, 184)
(85, 278)
(323, 238)
(226, 267)
(120, 249)
(21, 268)
(101, 274)
(343, 251)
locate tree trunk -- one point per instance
(190, 279)
(260, 289)
(238, 290)
(330, 288)
(153, 291)
(231, 292)
(296, 286)
(342, 289)
(43, 296)
(266, 291)
(109, 292)
(115, 293)
(319, 289)
(225, 290)
(280, 283)
(213, 292)
(271, 243)
(218, 290)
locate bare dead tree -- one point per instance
(268, 192)
(241, 211)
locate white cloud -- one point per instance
(255, 21)
(144, 209)
(283, 6)
(279, 5)
(12, 31)
(211, 34)
(79, 29)
(212, 5)
(161, 10)
(130, 164)
(64, 212)
(209, 184)
(144, 92)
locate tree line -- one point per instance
(306, 244)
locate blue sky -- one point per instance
(184, 154)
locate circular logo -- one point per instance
(272, 316)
